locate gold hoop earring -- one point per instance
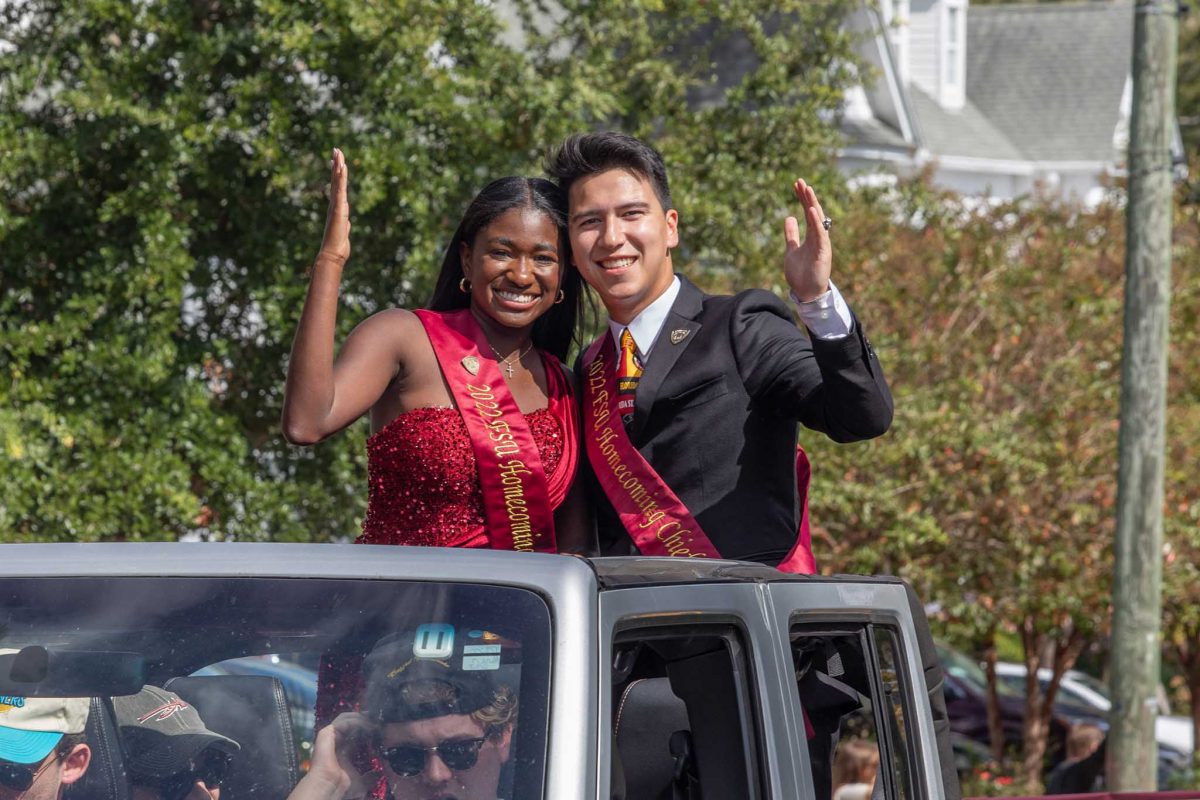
(464, 285)
(560, 297)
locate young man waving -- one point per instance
(694, 442)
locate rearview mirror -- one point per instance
(36, 671)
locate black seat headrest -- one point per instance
(648, 714)
(105, 778)
(253, 711)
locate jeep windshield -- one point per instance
(448, 681)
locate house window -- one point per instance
(954, 32)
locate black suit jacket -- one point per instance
(717, 410)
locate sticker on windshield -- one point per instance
(480, 662)
(433, 640)
(477, 649)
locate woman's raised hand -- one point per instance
(336, 244)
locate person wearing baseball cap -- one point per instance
(42, 747)
(169, 752)
(440, 724)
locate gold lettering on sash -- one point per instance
(512, 472)
(675, 539)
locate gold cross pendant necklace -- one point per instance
(507, 363)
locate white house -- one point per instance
(999, 100)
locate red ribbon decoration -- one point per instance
(516, 499)
(800, 560)
(656, 519)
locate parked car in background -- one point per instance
(1079, 688)
(966, 703)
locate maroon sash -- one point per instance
(653, 515)
(516, 499)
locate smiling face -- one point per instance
(620, 238)
(438, 781)
(514, 267)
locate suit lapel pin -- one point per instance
(471, 365)
(678, 335)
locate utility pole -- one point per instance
(1137, 590)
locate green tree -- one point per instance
(999, 328)
(162, 167)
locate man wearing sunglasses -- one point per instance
(42, 746)
(169, 752)
(434, 732)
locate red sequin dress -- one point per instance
(424, 485)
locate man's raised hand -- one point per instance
(336, 244)
(807, 264)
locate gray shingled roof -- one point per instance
(967, 132)
(873, 133)
(1050, 77)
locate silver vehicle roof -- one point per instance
(283, 560)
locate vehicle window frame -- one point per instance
(856, 600)
(905, 684)
(679, 608)
(864, 630)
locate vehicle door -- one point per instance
(691, 688)
(855, 690)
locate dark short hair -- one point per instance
(68, 743)
(553, 331)
(585, 154)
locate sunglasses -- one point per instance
(19, 777)
(407, 760)
(210, 771)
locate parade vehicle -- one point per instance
(633, 677)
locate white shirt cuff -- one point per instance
(827, 316)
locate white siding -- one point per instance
(923, 45)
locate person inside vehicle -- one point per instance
(42, 746)
(430, 731)
(170, 753)
(854, 768)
